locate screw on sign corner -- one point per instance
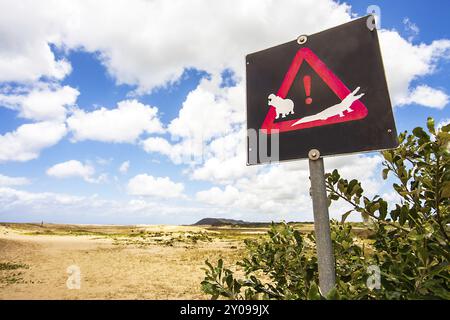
(314, 154)
(302, 39)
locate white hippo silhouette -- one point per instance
(282, 106)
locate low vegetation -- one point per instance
(407, 242)
(10, 273)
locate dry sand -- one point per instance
(111, 267)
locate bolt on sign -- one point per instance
(325, 91)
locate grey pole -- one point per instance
(325, 257)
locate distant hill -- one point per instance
(218, 222)
(221, 222)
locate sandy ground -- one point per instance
(110, 269)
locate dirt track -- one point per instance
(109, 269)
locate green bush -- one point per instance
(408, 243)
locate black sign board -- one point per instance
(325, 91)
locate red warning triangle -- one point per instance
(358, 109)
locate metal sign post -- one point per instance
(321, 222)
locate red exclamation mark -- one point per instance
(307, 84)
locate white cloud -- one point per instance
(411, 28)
(26, 31)
(147, 51)
(160, 187)
(283, 189)
(123, 124)
(276, 190)
(217, 196)
(28, 140)
(103, 161)
(124, 167)
(12, 199)
(55, 207)
(45, 103)
(161, 145)
(208, 114)
(223, 171)
(405, 62)
(426, 96)
(144, 51)
(212, 117)
(74, 168)
(6, 181)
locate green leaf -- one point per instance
(335, 175)
(351, 186)
(333, 294)
(385, 173)
(229, 280)
(430, 125)
(420, 133)
(387, 155)
(365, 216)
(345, 215)
(445, 193)
(446, 128)
(403, 215)
(313, 293)
(383, 209)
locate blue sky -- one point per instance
(82, 96)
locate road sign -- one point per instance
(325, 91)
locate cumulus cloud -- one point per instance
(146, 53)
(209, 113)
(160, 187)
(405, 62)
(162, 146)
(124, 167)
(122, 124)
(426, 96)
(276, 190)
(243, 27)
(283, 189)
(216, 196)
(47, 103)
(6, 181)
(52, 206)
(13, 199)
(74, 168)
(211, 119)
(28, 140)
(26, 31)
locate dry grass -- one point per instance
(116, 262)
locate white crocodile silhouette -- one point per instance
(337, 109)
